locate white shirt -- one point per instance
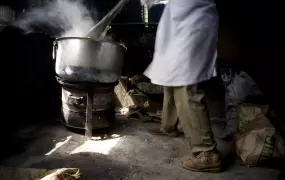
(186, 44)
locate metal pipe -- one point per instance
(89, 114)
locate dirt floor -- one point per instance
(128, 153)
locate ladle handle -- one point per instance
(99, 28)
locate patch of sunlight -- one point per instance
(101, 147)
(58, 145)
(124, 110)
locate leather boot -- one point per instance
(204, 162)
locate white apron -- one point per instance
(186, 44)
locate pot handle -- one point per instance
(125, 47)
(55, 46)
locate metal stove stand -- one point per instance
(94, 102)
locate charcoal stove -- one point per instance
(88, 71)
(75, 99)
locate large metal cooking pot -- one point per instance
(87, 60)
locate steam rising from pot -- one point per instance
(65, 18)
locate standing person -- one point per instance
(185, 56)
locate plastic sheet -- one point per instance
(239, 88)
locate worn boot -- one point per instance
(158, 131)
(204, 162)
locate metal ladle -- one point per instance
(99, 31)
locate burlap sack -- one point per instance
(62, 174)
(256, 138)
